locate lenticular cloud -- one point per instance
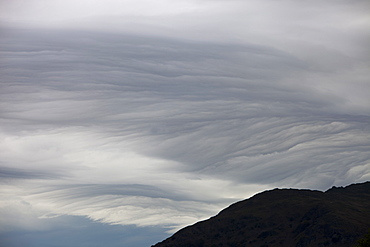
(151, 130)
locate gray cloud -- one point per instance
(11, 173)
(153, 112)
(158, 130)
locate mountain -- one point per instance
(284, 217)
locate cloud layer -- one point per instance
(164, 129)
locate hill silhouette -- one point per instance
(285, 217)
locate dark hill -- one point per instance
(285, 217)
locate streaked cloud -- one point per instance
(164, 127)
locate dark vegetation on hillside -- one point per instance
(365, 241)
(285, 217)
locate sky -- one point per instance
(124, 121)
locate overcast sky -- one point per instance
(125, 120)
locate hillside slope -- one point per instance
(284, 217)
